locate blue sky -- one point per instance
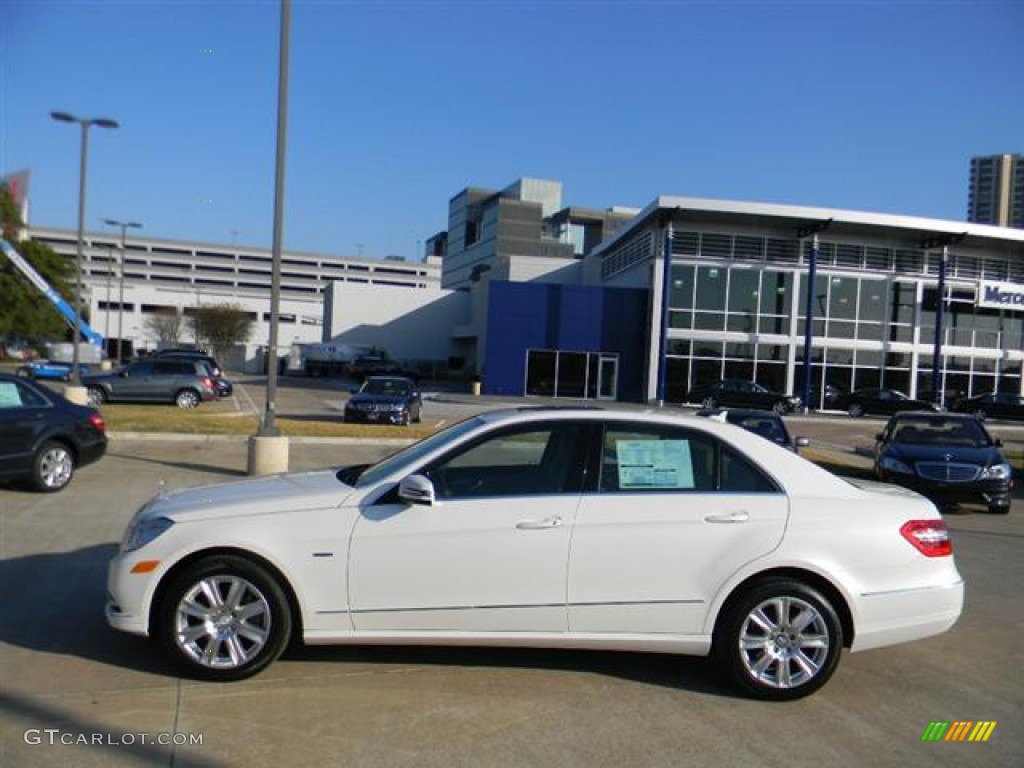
(395, 106)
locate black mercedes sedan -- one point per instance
(737, 393)
(881, 401)
(44, 438)
(950, 458)
(385, 400)
(997, 405)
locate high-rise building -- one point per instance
(996, 193)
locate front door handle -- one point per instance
(728, 517)
(537, 525)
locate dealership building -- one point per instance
(625, 304)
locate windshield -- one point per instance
(385, 387)
(940, 432)
(415, 452)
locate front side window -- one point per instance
(544, 459)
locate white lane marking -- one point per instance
(252, 404)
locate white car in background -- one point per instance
(546, 527)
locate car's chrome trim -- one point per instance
(364, 611)
(928, 588)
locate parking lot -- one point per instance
(68, 678)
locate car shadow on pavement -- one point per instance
(187, 465)
(684, 673)
(53, 603)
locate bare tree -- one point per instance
(166, 325)
(221, 326)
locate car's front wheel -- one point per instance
(999, 509)
(979, 414)
(224, 618)
(780, 640)
(781, 408)
(709, 402)
(52, 467)
(187, 398)
(856, 410)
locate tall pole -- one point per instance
(943, 241)
(124, 225)
(666, 276)
(85, 124)
(267, 426)
(106, 314)
(812, 272)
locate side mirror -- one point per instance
(416, 489)
(803, 442)
(997, 442)
(354, 391)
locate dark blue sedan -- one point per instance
(950, 458)
(385, 400)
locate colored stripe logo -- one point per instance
(959, 730)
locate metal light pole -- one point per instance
(86, 123)
(267, 426)
(943, 242)
(124, 225)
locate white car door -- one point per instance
(491, 554)
(675, 513)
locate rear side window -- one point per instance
(653, 458)
(14, 394)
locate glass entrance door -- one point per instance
(608, 378)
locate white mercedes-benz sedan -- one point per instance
(546, 527)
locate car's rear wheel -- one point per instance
(96, 396)
(780, 640)
(187, 398)
(856, 410)
(224, 618)
(709, 402)
(780, 408)
(999, 509)
(980, 414)
(52, 467)
(23, 373)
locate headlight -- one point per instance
(140, 533)
(895, 465)
(997, 472)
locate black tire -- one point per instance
(998, 509)
(53, 466)
(221, 645)
(96, 396)
(856, 410)
(979, 414)
(708, 402)
(794, 661)
(781, 408)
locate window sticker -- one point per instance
(654, 464)
(9, 395)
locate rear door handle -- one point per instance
(728, 517)
(537, 525)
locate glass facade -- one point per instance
(738, 320)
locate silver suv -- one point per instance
(186, 383)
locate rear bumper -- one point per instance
(888, 618)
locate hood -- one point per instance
(958, 454)
(258, 496)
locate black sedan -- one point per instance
(999, 405)
(44, 437)
(881, 401)
(949, 458)
(385, 400)
(767, 424)
(737, 393)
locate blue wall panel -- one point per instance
(574, 318)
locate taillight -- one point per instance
(208, 382)
(929, 537)
(97, 421)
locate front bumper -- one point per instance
(376, 417)
(128, 595)
(993, 493)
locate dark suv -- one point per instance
(186, 383)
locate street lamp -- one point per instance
(124, 225)
(85, 123)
